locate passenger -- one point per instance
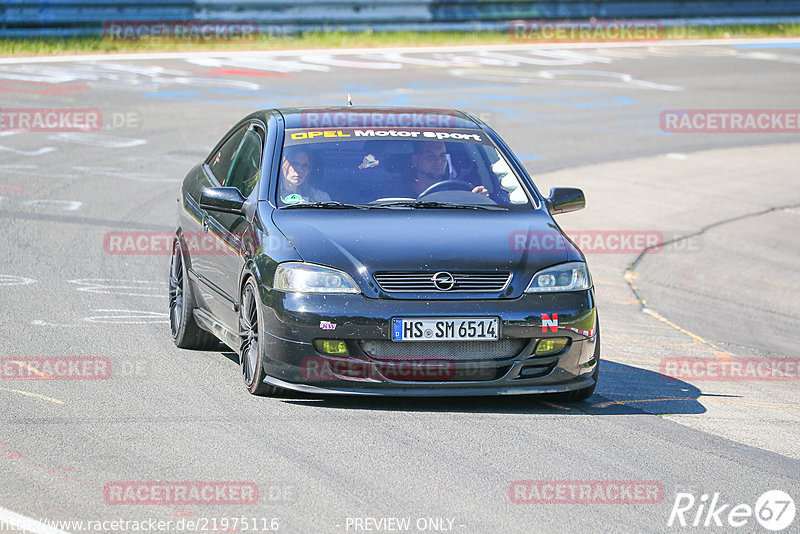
(430, 165)
(295, 183)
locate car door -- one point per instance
(236, 164)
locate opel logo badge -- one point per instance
(443, 281)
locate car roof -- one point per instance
(376, 117)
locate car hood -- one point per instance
(363, 242)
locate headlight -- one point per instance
(306, 278)
(572, 276)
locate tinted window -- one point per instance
(246, 167)
(357, 166)
(220, 163)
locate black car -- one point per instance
(381, 251)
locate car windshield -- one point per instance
(403, 168)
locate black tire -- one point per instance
(584, 393)
(251, 350)
(185, 332)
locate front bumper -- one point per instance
(293, 321)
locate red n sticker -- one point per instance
(547, 322)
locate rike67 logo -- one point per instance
(774, 510)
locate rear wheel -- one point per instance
(185, 332)
(251, 348)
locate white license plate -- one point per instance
(446, 329)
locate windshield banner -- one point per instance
(301, 136)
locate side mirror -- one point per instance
(224, 199)
(565, 199)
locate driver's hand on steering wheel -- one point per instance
(482, 190)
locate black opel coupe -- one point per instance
(381, 251)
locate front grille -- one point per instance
(423, 281)
(443, 350)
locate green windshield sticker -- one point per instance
(294, 198)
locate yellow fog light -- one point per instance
(552, 345)
(331, 346)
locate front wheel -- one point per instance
(251, 348)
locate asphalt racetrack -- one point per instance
(720, 288)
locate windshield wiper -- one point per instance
(427, 204)
(330, 204)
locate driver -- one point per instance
(430, 165)
(296, 173)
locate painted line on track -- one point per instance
(29, 394)
(742, 402)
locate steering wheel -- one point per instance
(446, 185)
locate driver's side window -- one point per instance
(220, 162)
(246, 167)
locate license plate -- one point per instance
(446, 329)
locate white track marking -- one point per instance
(28, 170)
(17, 167)
(470, 60)
(215, 82)
(66, 205)
(128, 317)
(37, 152)
(21, 522)
(590, 78)
(399, 57)
(11, 280)
(95, 139)
(115, 286)
(39, 322)
(19, 75)
(553, 58)
(257, 63)
(122, 76)
(333, 61)
(405, 50)
(769, 56)
(114, 172)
